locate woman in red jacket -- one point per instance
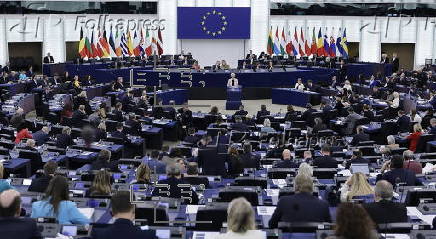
(414, 137)
(23, 133)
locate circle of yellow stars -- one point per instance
(218, 31)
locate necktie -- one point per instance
(233, 82)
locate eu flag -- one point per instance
(213, 22)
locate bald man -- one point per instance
(384, 210)
(11, 225)
(287, 161)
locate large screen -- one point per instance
(213, 22)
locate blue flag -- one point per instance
(213, 22)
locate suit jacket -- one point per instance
(357, 138)
(308, 117)
(175, 191)
(195, 180)
(351, 122)
(241, 112)
(158, 112)
(262, 113)
(123, 228)
(301, 207)
(386, 212)
(118, 115)
(121, 135)
(40, 137)
(325, 162)
(19, 228)
(404, 123)
(399, 175)
(77, 118)
(249, 161)
(40, 184)
(48, 59)
(101, 164)
(63, 141)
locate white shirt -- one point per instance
(416, 119)
(232, 82)
(395, 103)
(299, 86)
(348, 87)
(250, 234)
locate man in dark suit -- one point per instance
(11, 225)
(120, 134)
(397, 173)
(311, 86)
(185, 116)
(117, 112)
(356, 158)
(307, 115)
(118, 84)
(239, 125)
(360, 136)
(287, 161)
(262, 112)
(40, 184)
(325, 161)
(172, 185)
(342, 71)
(64, 140)
(104, 161)
(241, 111)
(192, 177)
(301, 207)
(158, 111)
(384, 210)
(124, 213)
(134, 124)
(78, 116)
(48, 59)
(403, 122)
(248, 160)
(41, 136)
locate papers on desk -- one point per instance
(86, 153)
(396, 236)
(345, 173)
(279, 182)
(265, 211)
(205, 235)
(272, 192)
(193, 209)
(413, 211)
(87, 212)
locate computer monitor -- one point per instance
(359, 168)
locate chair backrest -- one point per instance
(211, 163)
(155, 215)
(251, 181)
(422, 142)
(204, 219)
(228, 194)
(35, 159)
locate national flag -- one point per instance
(295, 43)
(82, 46)
(338, 43)
(344, 44)
(276, 42)
(269, 46)
(118, 45)
(289, 47)
(154, 44)
(159, 42)
(112, 49)
(326, 44)
(301, 35)
(332, 47)
(307, 48)
(105, 45)
(100, 52)
(93, 47)
(129, 43)
(138, 49)
(148, 44)
(313, 47)
(88, 47)
(300, 50)
(320, 44)
(123, 45)
(283, 42)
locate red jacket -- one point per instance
(23, 134)
(413, 140)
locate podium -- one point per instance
(234, 97)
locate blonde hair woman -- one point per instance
(143, 173)
(356, 185)
(240, 221)
(101, 186)
(305, 169)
